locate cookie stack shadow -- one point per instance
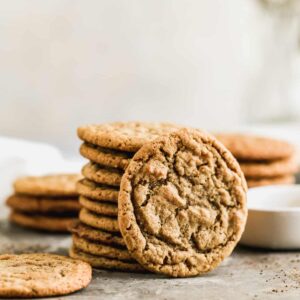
(47, 203)
(264, 161)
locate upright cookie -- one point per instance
(43, 204)
(98, 221)
(102, 175)
(125, 136)
(104, 262)
(249, 147)
(41, 275)
(93, 234)
(51, 185)
(42, 222)
(97, 191)
(106, 157)
(182, 204)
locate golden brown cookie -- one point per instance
(43, 204)
(269, 169)
(99, 235)
(42, 222)
(106, 157)
(41, 275)
(250, 147)
(182, 204)
(51, 185)
(97, 191)
(98, 221)
(99, 207)
(102, 175)
(96, 248)
(105, 263)
(288, 179)
(125, 136)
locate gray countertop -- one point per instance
(246, 274)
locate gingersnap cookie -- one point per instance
(104, 262)
(43, 204)
(41, 275)
(268, 169)
(97, 191)
(50, 185)
(125, 136)
(249, 147)
(288, 179)
(102, 175)
(98, 221)
(99, 207)
(96, 248)
(41, 222)
(182, 204)
(106, 157)
(99, 235)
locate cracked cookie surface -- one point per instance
(182, 204)
(41, 275)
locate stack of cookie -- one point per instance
(177, 207)
(48, 203)
(109, 148)
(264, 161)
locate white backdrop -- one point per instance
(69, 62)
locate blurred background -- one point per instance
(214, 64)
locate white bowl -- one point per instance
(273, 217)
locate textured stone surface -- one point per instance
(247, 274)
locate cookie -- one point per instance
(98, 207)
(98, 221)
(102, 175)
(42, 222)
(51, 185)
(99, 235)
(106, 157)
(104, 262)
(96, 248)
(97, 191)
(125, 136)
(268, 169)
(249, 147)
(182, 204)
(43, 204)
(41, 275)
(289, 179)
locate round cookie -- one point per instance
(94, 234)
(271, 181)
(269, 169)
(41, 275)
(104, 262)
(50, 185)
(125, 136)
(98, 207)
(102, 175)
(98, 221)
(106, 157)
(53, 224)
(100, 249)
(249, 147)
(43, 204)
(98, 191)
(182, 204)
